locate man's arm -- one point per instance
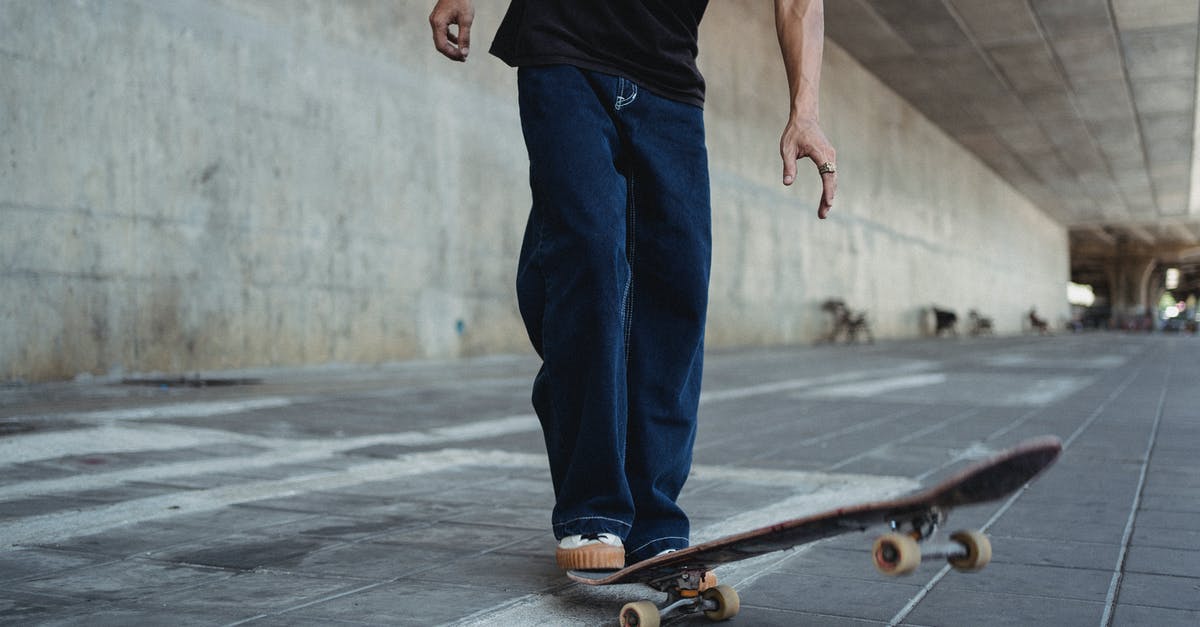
(454, 45)
(800, 25)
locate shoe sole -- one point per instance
(591, 557)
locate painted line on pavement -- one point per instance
(915, 435)
(792, 385)
(879, 386)
(168, 411)
(61, 525)
(283, 451)
(106, 439)
(116, 438)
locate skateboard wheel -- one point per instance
(896, 554)
(639, 614)
(727, 602)
(979, 551)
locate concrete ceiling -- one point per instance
(1086, 106)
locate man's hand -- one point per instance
(455, 45)
(800, 25)
(804, 138)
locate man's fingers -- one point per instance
(828, 191)
(441, 28)
(452, 45)
(803, 139)
(464, 36)
(789, 164)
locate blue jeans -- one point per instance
(613, 288)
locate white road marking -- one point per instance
(108, 437)
(808, 382)
(173, 410)
(283, 451)
(1046, 390)
(1021, 360)
(915, 435)
(62, 525)
(876, 387)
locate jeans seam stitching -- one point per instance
(630, 255)
(545, 300)
(567, 522)
(623, 100)
(657, 540)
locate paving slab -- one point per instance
(1163, 561)
(123, 581)
(946, 606)
(771, 617)
(1164, 591)
(404, 602)
(30, 562)
(249, 594)
(126, 615)
(440, 506)
(833, 596)
(463, 538)
(371, 562)
(1062, 553)
(26, 608)
(1157, 616)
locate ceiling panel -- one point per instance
(1087, 106)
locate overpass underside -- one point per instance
(1088, 107)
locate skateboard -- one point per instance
(911, 521)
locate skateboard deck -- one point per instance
(912, 519)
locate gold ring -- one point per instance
(827, 168)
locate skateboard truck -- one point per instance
(684, 596)
(923, 526)
(899, 552)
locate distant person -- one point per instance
(1038, 324)
(612, 280)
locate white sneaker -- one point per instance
(590, 551)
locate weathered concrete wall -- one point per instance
(194, 185)
(918, 219)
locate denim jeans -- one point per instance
(613, 287)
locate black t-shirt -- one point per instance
(652, 42)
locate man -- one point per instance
(612, 279)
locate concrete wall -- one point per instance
(193, 185)
(918, 219)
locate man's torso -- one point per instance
(652, 42)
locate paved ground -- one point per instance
(418, 494)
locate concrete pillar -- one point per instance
(1129, 286)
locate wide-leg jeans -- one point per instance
(612, 285)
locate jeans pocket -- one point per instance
(627, 92)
